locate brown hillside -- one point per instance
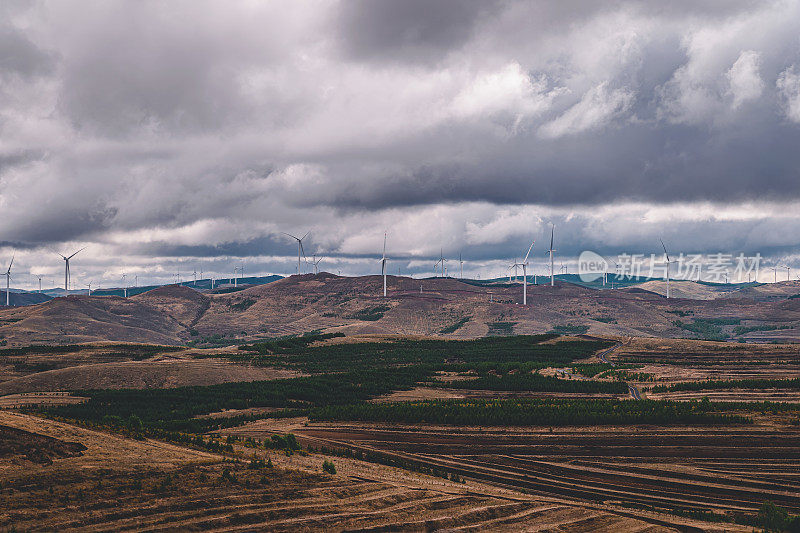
(77, 319)
(354, 305)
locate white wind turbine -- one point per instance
(383, 264)
(515, 265)
(315, 262)
(66, 269)
(616, 271)
(300, 250)
(441, 262)
(550, 251)
(8, 282)
(524, 266)
(668, 263)
(461, 266)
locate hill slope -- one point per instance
(300, 304)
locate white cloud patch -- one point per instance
(599, 106)
(788, 84)
(509, 90)
(744, 78)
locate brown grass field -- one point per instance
(84, 480)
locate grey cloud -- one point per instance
(412, 30)
(201, 129)
(20, 56)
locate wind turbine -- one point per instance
(194, 282)
(616, 271)
(66, 269)
(383, 264)
(40, 283)
(441, 262)
(90, 288)
(8, 282)
(461, 266)
(668, 262)
(524, 266)
(124, 286)
(299, 248)
(550, 251)
(315, 262)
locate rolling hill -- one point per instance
(446, 306)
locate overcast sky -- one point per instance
(174, 136)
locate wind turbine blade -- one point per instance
(11, 263)
(76, 253)
(306, 235)
(57, 253)
(529, 252)
(300, 241)
(552, 233)
(290, 235)
(665, 250)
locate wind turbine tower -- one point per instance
(66, 269)
(383, 264)
(524, 266)
(8, 282)
(668, 262)
(550, 251)
(461, 266)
